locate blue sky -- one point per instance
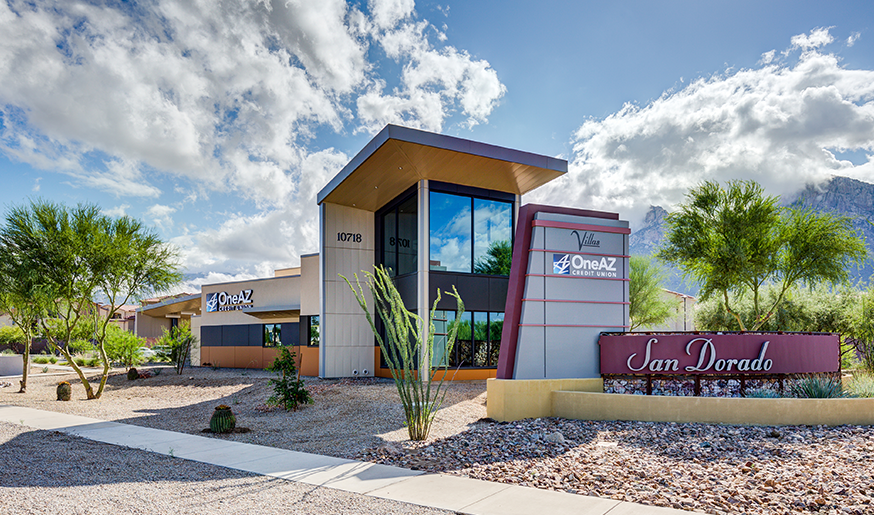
(217, 122)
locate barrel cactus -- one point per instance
(64, 391)
(223, 420)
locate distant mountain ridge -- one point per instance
(840, 195)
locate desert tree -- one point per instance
(22, 297)
(735, 241)
(79, 253)
(647, 305)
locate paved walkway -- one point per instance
(462, 495)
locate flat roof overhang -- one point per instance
(399, 157)
(270, 312)
(188, 304)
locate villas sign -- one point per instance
(715, 354)
(223, 301)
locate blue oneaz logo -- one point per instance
(211, 302)
(561, 264)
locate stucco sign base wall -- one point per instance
(582, 399)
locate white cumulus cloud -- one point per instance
(780, 125)
(220, 97)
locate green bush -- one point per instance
(80, 346)
(39, 360)
(817, 388)
(7, 352)
(123, 347)
(11, 334)
(179, 341)
(862, 385)
(288, 388)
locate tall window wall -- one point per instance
(470, 234)
(400, 245)
(478, 342)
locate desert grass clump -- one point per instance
(763, 393)
(862, 385)
(817, 388)
(408, 348)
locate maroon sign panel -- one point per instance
(730, 354)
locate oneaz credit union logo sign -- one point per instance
(575, 264)
(223, 301)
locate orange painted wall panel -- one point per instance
(308, 360)
(248, 357)
(204, 355)
(221, 356)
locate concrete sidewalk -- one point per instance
(462, 495)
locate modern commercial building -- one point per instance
(438, 212)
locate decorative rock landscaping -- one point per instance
(700, 467)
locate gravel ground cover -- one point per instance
(51, 472)
(696, 467)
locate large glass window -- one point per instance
(400, 245)
(492, 223)
(272, 335)
(314, 331)
(477, 345)
(470, 234)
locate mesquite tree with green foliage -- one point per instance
(647, 306)
(22, 297)
(735, 240)
(408, 348)
(79, 253)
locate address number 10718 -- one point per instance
(354, 237)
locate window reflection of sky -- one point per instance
(492, 222)
(450, 232)
(451, 242)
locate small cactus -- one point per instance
(223, 420)
(64, 391)
(132, 374)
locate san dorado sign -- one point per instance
(719, 354)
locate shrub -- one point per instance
(763, 393)
(40, 360)
(288, 388)
(11, 335)
(7, 352)
(80, 347)
(123, 347)
(179, 341)
(862, 385)
(817, 388)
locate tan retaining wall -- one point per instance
(583, 399)
(720, 410)
(511, 399)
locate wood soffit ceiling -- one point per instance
(396, 165)
(187, 306)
